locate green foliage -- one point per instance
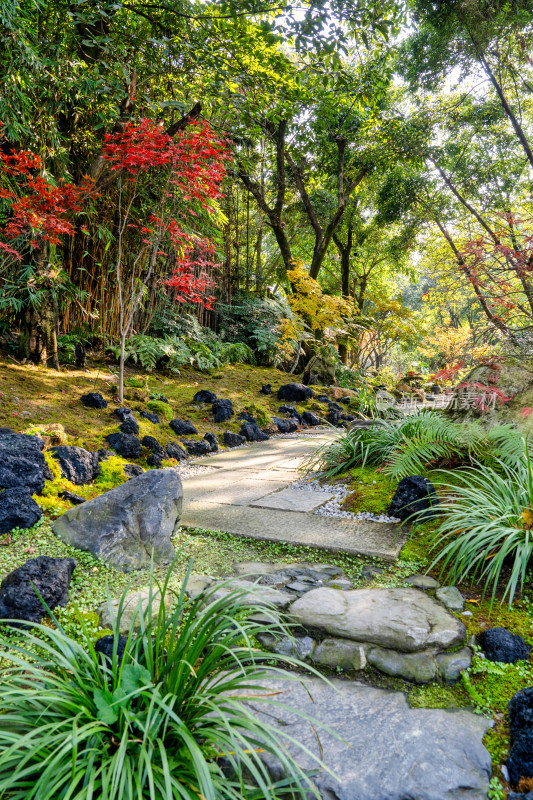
(413, 444)
(255, 322)
(168, 721)
(161, 408)
(172, 352)
(487, 523)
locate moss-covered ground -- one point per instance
(36, 400)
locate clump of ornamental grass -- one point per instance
(163, 717)
(486, 528)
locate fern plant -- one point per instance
(411, 445)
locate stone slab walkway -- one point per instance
(246, 492)
(379, 748)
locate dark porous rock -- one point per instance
(252, 432)
(310, 419)
(183, 427)
(286, 425)
(126, 525)
(520, 761)
(150, 417)
(151, 443)
(322, 398)
(245, 415)
(105, 646)
(125, 444)
(295, 392)
(75, 499)
(154, 460)
(519, 796)
(3, 431)
(22, 463)
(175, 451)
(233, 439)
(333, 405)
(414, 494)
(345, 400)
(204, 396)
(212, 440)
(50, 577)
(379, 748)
(21, 472)
(292, 411)
(223, 410)
(130, 425)
(18, 509)
(133, 470)
(266, 388)
(348, 417)
(333, 416)
(499, 644)
(77, 465)
(201, 448)
(123, 413)
(93, 400)
(435, 389)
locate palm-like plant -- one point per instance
(166, 720)
(487, 524)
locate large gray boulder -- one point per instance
(400, 619)
(384, 749)
(125, 525)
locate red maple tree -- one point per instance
(186, 171)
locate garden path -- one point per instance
(247, 492)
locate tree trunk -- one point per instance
(121, 368)
(343, 353)
(48, 324)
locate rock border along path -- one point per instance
(246, 493)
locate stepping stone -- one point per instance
(451, 598)
(294, 500)
(239, 494)
(253, 593)
(422, 581)
(332, 534)
(382, 750)
(401, 619)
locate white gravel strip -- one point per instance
(190, 470)
(332, 508)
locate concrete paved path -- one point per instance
(246, 492)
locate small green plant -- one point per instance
(160, 408)
(487, 522)
(496, 790)
(137, 383)
(167, 720)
